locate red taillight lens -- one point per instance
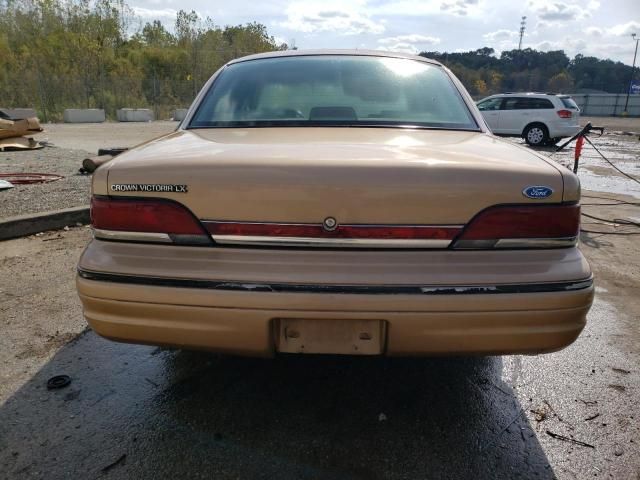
(143, 216)
(521, 226)
(564, 113)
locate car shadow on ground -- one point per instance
(595, 240)
(143, 412)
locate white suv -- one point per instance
(539, 118)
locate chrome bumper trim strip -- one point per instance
(562, 242)
(132, 236)
(340, 289)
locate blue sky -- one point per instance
(591, 27)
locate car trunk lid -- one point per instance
(359, 177)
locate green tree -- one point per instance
(560, 82)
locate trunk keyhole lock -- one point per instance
(330, 224)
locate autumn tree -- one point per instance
(57, 54)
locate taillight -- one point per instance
(142, 219)
(522, 226)
(564, 113)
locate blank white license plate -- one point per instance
(348, 337)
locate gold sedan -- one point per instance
(344, 202)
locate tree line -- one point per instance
(58, 54)
(484, 73)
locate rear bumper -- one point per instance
(558, 131)
(431, 302)
(243, 321)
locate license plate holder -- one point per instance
(330, 336)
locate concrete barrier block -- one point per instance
(179, 114)
(135, 115)
(17, 113)
(84, 115)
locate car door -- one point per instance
(514, 115)
(490, 109)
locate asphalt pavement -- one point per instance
(143, 412)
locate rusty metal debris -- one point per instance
(4, 185)
(113, 151)
(618, 388)
(90, 164)
(59, 381)
(28, 178)
(12, 134)
(118, 461)
(568, 439)
(540, 413)
(621, 370)
(19, 143)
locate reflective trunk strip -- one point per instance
(346, 236)
(310, 230)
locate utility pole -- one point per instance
(626, 103)
(523, 26)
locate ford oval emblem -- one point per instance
(537, 191)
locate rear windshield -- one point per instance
(569, 103)
(333, 91)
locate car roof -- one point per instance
(349, 52)
(531, 94)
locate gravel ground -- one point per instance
(70, 191)
(92, 136)
(72, 144)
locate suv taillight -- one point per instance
(564, 113)
(145, 220)
(522, 226)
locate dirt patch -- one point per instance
(39, 307)
(43, 349)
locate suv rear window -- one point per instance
(333, 90)
(569, 103)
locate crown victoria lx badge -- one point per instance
(149, 187)
(537, 191)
